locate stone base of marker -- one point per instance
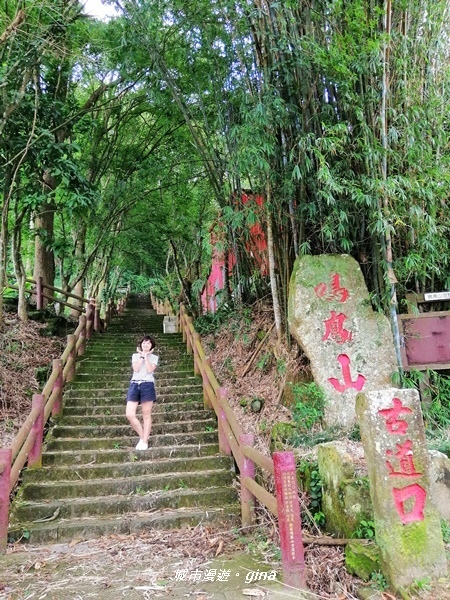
(345, 495)
(407, 522)
(170, 325)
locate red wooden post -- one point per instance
(35, 454)
(58, 387)
(224, 445)
(97, 320)
(39, 296)
(5, 474)
(82, 347)
(89, 321)
(248, 470)
(289, 521)
(72, 340)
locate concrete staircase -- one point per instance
(93, 481)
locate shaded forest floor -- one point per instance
(255, 369)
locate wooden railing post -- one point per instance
(248, 470)
(58, 387)
(224, 446)
(72, 340)
(89, 321)
(5, 475)
(35, 454)
(39, 292)
(289, 521)
(82, 346)
(206, 401)
(97, 320)
(195, 342)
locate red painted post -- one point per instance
(289, 521)
(35, 454)
(5, 474)
(248, 470)
(224, 446)
(72, 340)
(58, 387)
(89, 321)
(39, 296)
(82, 346)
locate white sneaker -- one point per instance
(141, 445)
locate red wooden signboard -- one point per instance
(426, 340)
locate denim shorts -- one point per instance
(143, 391)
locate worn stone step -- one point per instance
(133, 468)
(108, 431)
(110, 382)
(118, 399)
(117, 419)
(127, 442)
(52, 490)
(115, 455)
(97, 506)
(93, 411)
(93, 527)
(162, 392)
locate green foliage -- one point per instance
(313, 484)
(309, 405)
(365, 530)
(445, 528)
(378, 581)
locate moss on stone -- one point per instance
(362, 558)
(280, 435)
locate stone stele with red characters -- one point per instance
(350, 347)
(407, 522)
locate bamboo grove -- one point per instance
(123, 142)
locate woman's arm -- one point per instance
(137, 362)
(150, 366)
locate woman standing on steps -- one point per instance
(142, 390)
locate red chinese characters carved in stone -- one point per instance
(332, 292)
(404, 455)
(334, 328)
(344, 361)
(393, 423)
(418, 495)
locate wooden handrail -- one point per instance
(231, 430)
(26, 447)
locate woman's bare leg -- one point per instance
(132, 418)
(147, 418)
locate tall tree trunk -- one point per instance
(391, 279)
(272, 274)
(44, 262)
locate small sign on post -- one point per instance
(289, 521)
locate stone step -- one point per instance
(113, 455)
(109, 382)
(52, 490)
(162, 392)
(97, 506)
(117, 419)
(91, 379)
(125, 469)
(93, 527)
(109, 431)
(128, 443)
(111, 398)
